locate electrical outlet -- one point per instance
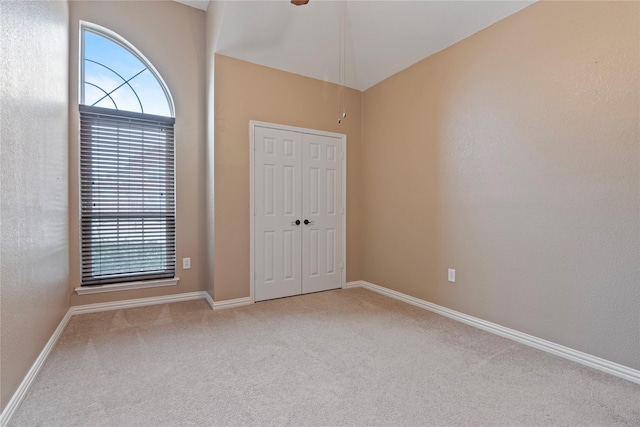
(186, 263)
(451, 275)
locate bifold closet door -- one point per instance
(278, 205)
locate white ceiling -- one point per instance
(198, 4)
(382, 37)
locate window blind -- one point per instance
(127, 190)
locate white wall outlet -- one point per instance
(186, 263)
(451, 275)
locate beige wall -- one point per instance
(513, 157)
(214, 16)
(172, 38)
(244, 92)
(34, 246)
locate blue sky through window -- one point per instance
(107, 65)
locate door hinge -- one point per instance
(342, 155)
(342, 210)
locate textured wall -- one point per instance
(513, 157)
(33, 182)
(172, 38)
(214, 16)
(244, 92)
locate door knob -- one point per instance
(296, 222)
(307, 222)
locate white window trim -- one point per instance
(127, 286)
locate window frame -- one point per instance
(133, 283)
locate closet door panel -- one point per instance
(277, 198)
(321, 212)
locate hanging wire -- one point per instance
(342, 62)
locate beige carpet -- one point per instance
(347, 357)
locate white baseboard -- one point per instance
(231, 303)
(138, 302)
(595, 362)
(28, 380)
(26, 383)
(209, 300)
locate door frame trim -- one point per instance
(252, 125)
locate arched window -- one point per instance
(116, 75)
(127, 178)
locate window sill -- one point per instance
(86, 290)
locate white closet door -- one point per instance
(322, 209)
(277, 184)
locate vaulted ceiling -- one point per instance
(381, 38)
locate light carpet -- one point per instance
(345, 357)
